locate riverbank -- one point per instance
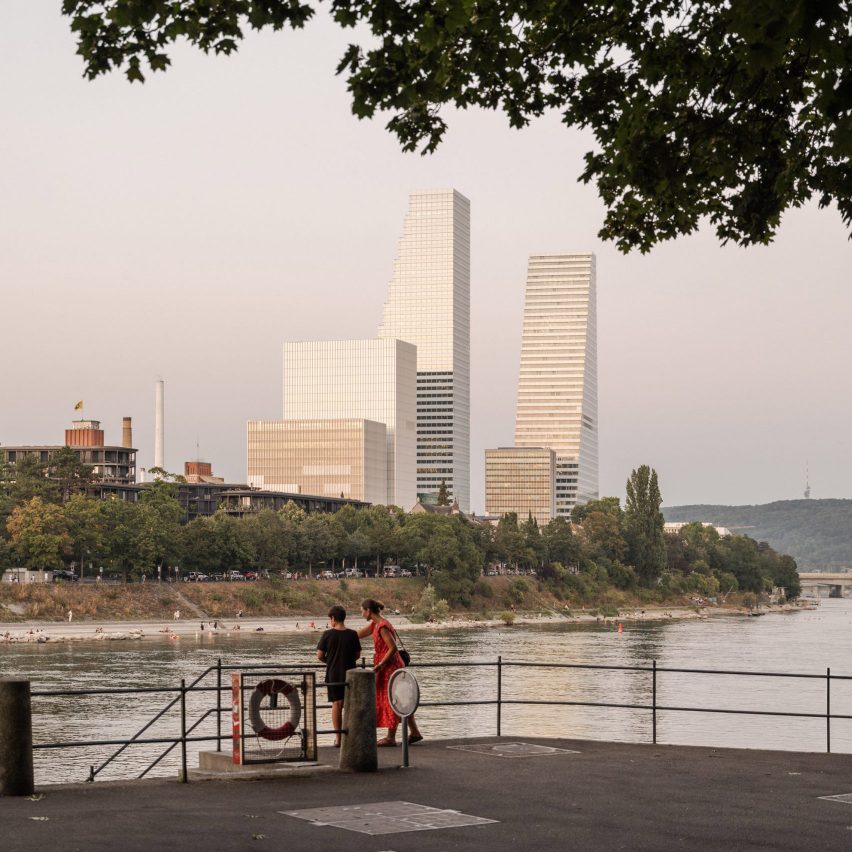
(190, 626)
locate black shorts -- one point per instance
(336, 693)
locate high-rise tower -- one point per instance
(429, 305)
(558, 384)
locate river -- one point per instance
(806, 642)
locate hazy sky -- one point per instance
(187, 227)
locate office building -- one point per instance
(557, 387)
(428, 305)
(328, 458)
(521, 480)
(360, 379)
(110, 464)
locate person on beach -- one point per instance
(177, 615)
(70, 615)
(339, 648)
(386, 661)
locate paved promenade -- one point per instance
(608, 796)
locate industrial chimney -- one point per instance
(158, 424)
(126, 432)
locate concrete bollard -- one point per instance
(16, 739)
(358, 745)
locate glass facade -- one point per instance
(370, 379)
(327, 458)
(521, 480)
(429, 305)
(558, 383)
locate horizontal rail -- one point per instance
(178, 697)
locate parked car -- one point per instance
(235, 575)
(251, 575)
(353, 572)
(405, 573)
(325, 575)
(65, 577)
(217, 578)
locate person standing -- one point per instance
(386, 661)
(177, 615)
(339, 648)
(70, 615)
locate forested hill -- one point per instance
(816, 533)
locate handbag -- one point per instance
(400, 649)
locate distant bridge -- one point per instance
(824, 585)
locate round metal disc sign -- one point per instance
(403, 692)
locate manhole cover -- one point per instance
(846, 798)
(513, 749)
(387, 817)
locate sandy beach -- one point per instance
(176, 629)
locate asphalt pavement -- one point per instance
(603, 796)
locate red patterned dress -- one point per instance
(385, 717)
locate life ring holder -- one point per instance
(274, 687)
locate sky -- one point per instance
(184, 229)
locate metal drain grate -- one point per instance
(513, 749)
(845, 798)
(387, 817)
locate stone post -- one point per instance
(358, 745)
(16, 739)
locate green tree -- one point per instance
(533, 544)
(643, 525)
(508, 540)
(69, 473)
(29, 479)
(560, 543)
(443, 494)
(728, 111)
(38, 533)
(85, 520)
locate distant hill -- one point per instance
(816, 533)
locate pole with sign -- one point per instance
(404, 697)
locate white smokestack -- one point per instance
(159, 432)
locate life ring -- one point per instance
(274, 687)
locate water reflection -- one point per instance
(806, 642)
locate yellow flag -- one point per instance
(79, 406)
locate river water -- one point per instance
(805, 642)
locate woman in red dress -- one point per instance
(386, 661)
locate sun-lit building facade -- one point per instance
(428, 305)
(558, 385)
(346, 458)
(521, 480)
(362, 379)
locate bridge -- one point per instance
(820, 585)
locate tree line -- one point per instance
(48, 521)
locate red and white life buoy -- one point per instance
(274, 687)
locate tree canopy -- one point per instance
(733, 112)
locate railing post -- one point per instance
(219, 704)
(828, 710)
(16, 739)
(654, 704)
(183, 777)
(500, 696)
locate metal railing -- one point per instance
(499, 701)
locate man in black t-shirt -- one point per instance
(339, 648)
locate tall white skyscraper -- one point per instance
(558, 384)
(369, 379)
(429, 305)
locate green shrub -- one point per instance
(483, 589)
(508, 618)
(430, 607)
